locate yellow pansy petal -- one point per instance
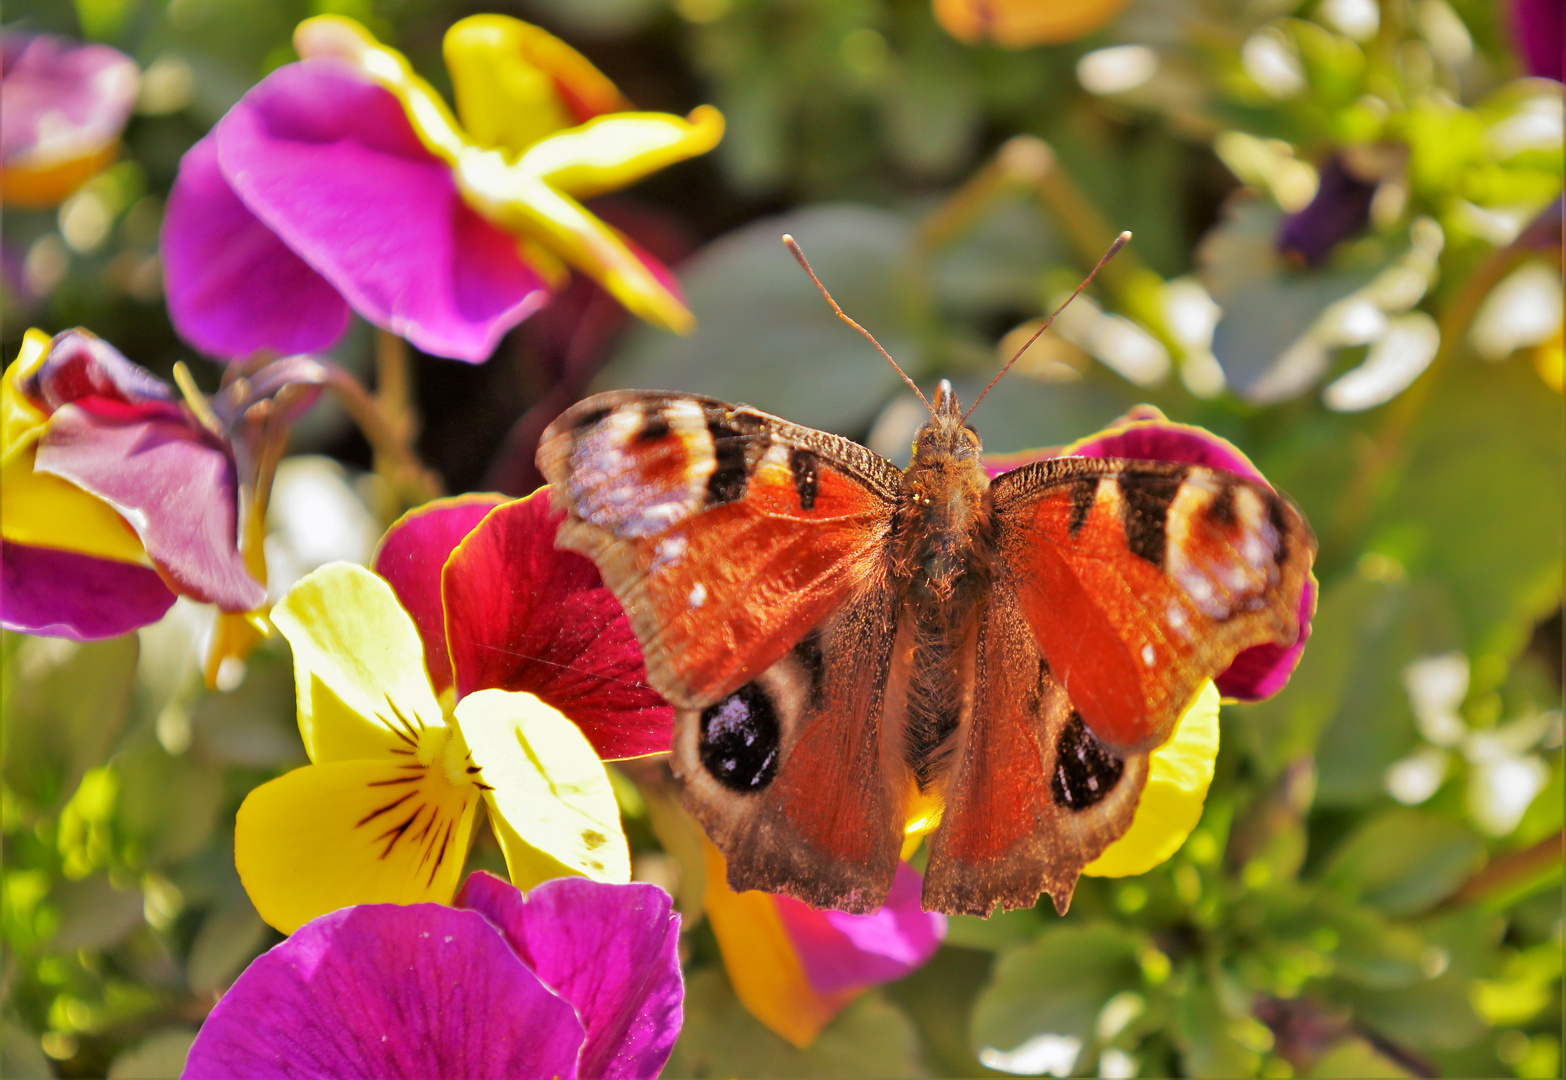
(611, 152)
(922, 817)
(21, 422)
(352, 832)
(552, 805)
(358, 663)
(763, 966)
(43, 510)
(1178, 774)
(507, 77)
(1018, 24)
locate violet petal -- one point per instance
(331, 164)
(172, 484)
(385, 990)
(233, 286)
(842, 952)
(1339, 211)
(69, 595)
(411, 557)
(610, 950)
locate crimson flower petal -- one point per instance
(388, 990)
(330, 163)
(843, 952)
(523, 616)
(411, 557)
(65, 594)
(610, 950)
(174, 486)
(233, 286)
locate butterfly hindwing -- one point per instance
(726, 533)
(1142, 580)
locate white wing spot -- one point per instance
(668, 551)
(698, 595)
(1148, 655)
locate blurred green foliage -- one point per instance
(1353, 902)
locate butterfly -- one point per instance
(838, 636)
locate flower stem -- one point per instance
(390, 436)
(1509, 877)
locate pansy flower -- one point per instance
(114, 495)
(62, 108)
(578, 978)
(1180, 771)
(795, 967)
(1339, 211)
(345, 181)
(1019, 24)
(477, 664)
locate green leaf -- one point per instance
(160, 1055)
(1055, 986)
(168, 804)
(94, 914)
(229, 938)
(1431, 1015)
(869, 1038)
(1206, 1035)
(20, 1057)
(1356, 1058)
(764, 335)
(1404, 860)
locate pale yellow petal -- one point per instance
(21, 422)
(611, 152)
(352, 832)
(552, 805)
(1178, 775)
(358, 665)
(506, 99)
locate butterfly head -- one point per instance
(945, 436)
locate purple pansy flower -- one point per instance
(1339, 211)
(1144, 434)
(1537, 30)
(577, 979)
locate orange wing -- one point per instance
(1142, 580)
(726, 533)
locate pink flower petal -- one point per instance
(82, 366)
(233, 286)
(61, 100)
(172, 484)
(384, 990)
(65, 594)
(610, 950)
(521, 615)
(330, 163)
(842, 952)
(411, 557)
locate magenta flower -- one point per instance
(344, 181)
(1144, 433)
(1537, 30)
(62, 107)
(116, 497)
(578, 978)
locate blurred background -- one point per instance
(1347, 261)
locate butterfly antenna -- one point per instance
(799, 257)
(1120, 241)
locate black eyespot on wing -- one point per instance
(655, 427)
(1085, 771)
(1280, 524)
(806, 467)
(1083, 492)
(1221, 512)
(739, 740)
(1146, 498)
(590, 419)
(808, 651)
(729, 470)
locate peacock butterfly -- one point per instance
(838, 636)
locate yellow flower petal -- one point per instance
(21, 422)
(1017, 24)
(43, 510)
(358, 663)
(1178, 774)
(552, 806)
(508, 77)
(42, 187)
(763, 966)
(609, 152)
(352, 832)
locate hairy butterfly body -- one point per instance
(838, 635)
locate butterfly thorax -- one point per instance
(942, 533)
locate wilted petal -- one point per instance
(82, 366)
(411, 557)
(233, 286)
(610, 950)
(353, 832)
(842, 951)
(62, 107)
(63, 594)
(358, 663)
(523, 616)
(551, 803)
(330, 163)
(41, 510)
(174, 486)
(1178, 776)
(381, 991)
